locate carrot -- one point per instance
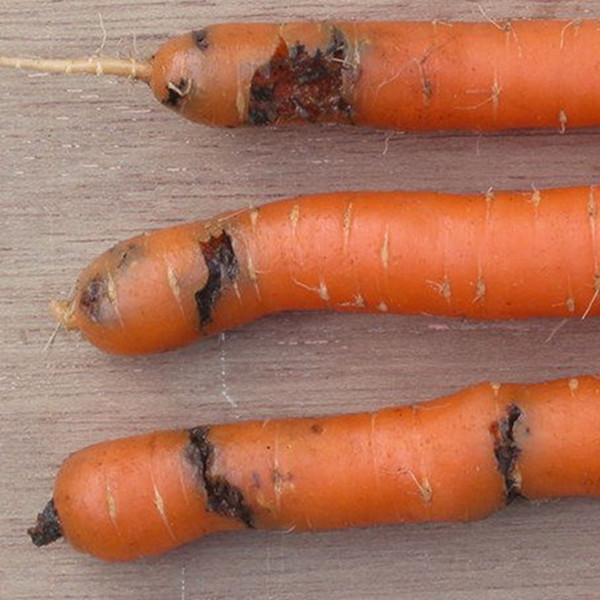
(494, 256)
(458, 458)
(404, 75)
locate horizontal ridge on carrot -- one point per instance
(499, 255)
(404, 75)
(458, 458)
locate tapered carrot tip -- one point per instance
(47, 528)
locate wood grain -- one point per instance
(85, 162)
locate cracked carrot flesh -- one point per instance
(458, 458)
(498, 255)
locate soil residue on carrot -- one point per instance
(297, 85)
(507, 452)
(47, 528)
(222, 497)
(222, 266)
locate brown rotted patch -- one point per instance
(222, 266)
(298, 85)
(222, 497)
(507, 452)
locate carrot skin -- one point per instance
(458, 458)
(503, 255)
(403, 75)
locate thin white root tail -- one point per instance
(131, 68)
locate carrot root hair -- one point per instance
(131, 68)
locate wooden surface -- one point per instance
(85, 162)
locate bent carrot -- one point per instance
(458, 458)
(494, 256)
(404, 75)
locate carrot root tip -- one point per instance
(63, 312)
(47, 528)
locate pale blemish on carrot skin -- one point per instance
(323, 291)
(573, 385)
(385, 251)
(111, 505)
(480, 291)
(347, 224)
(295, 217)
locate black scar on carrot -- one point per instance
(47, 528)
(222, 266)
(507, 452)
(222, 497)
(201, 39)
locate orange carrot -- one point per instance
(405, 75)
(458, 458)
(494, 256)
